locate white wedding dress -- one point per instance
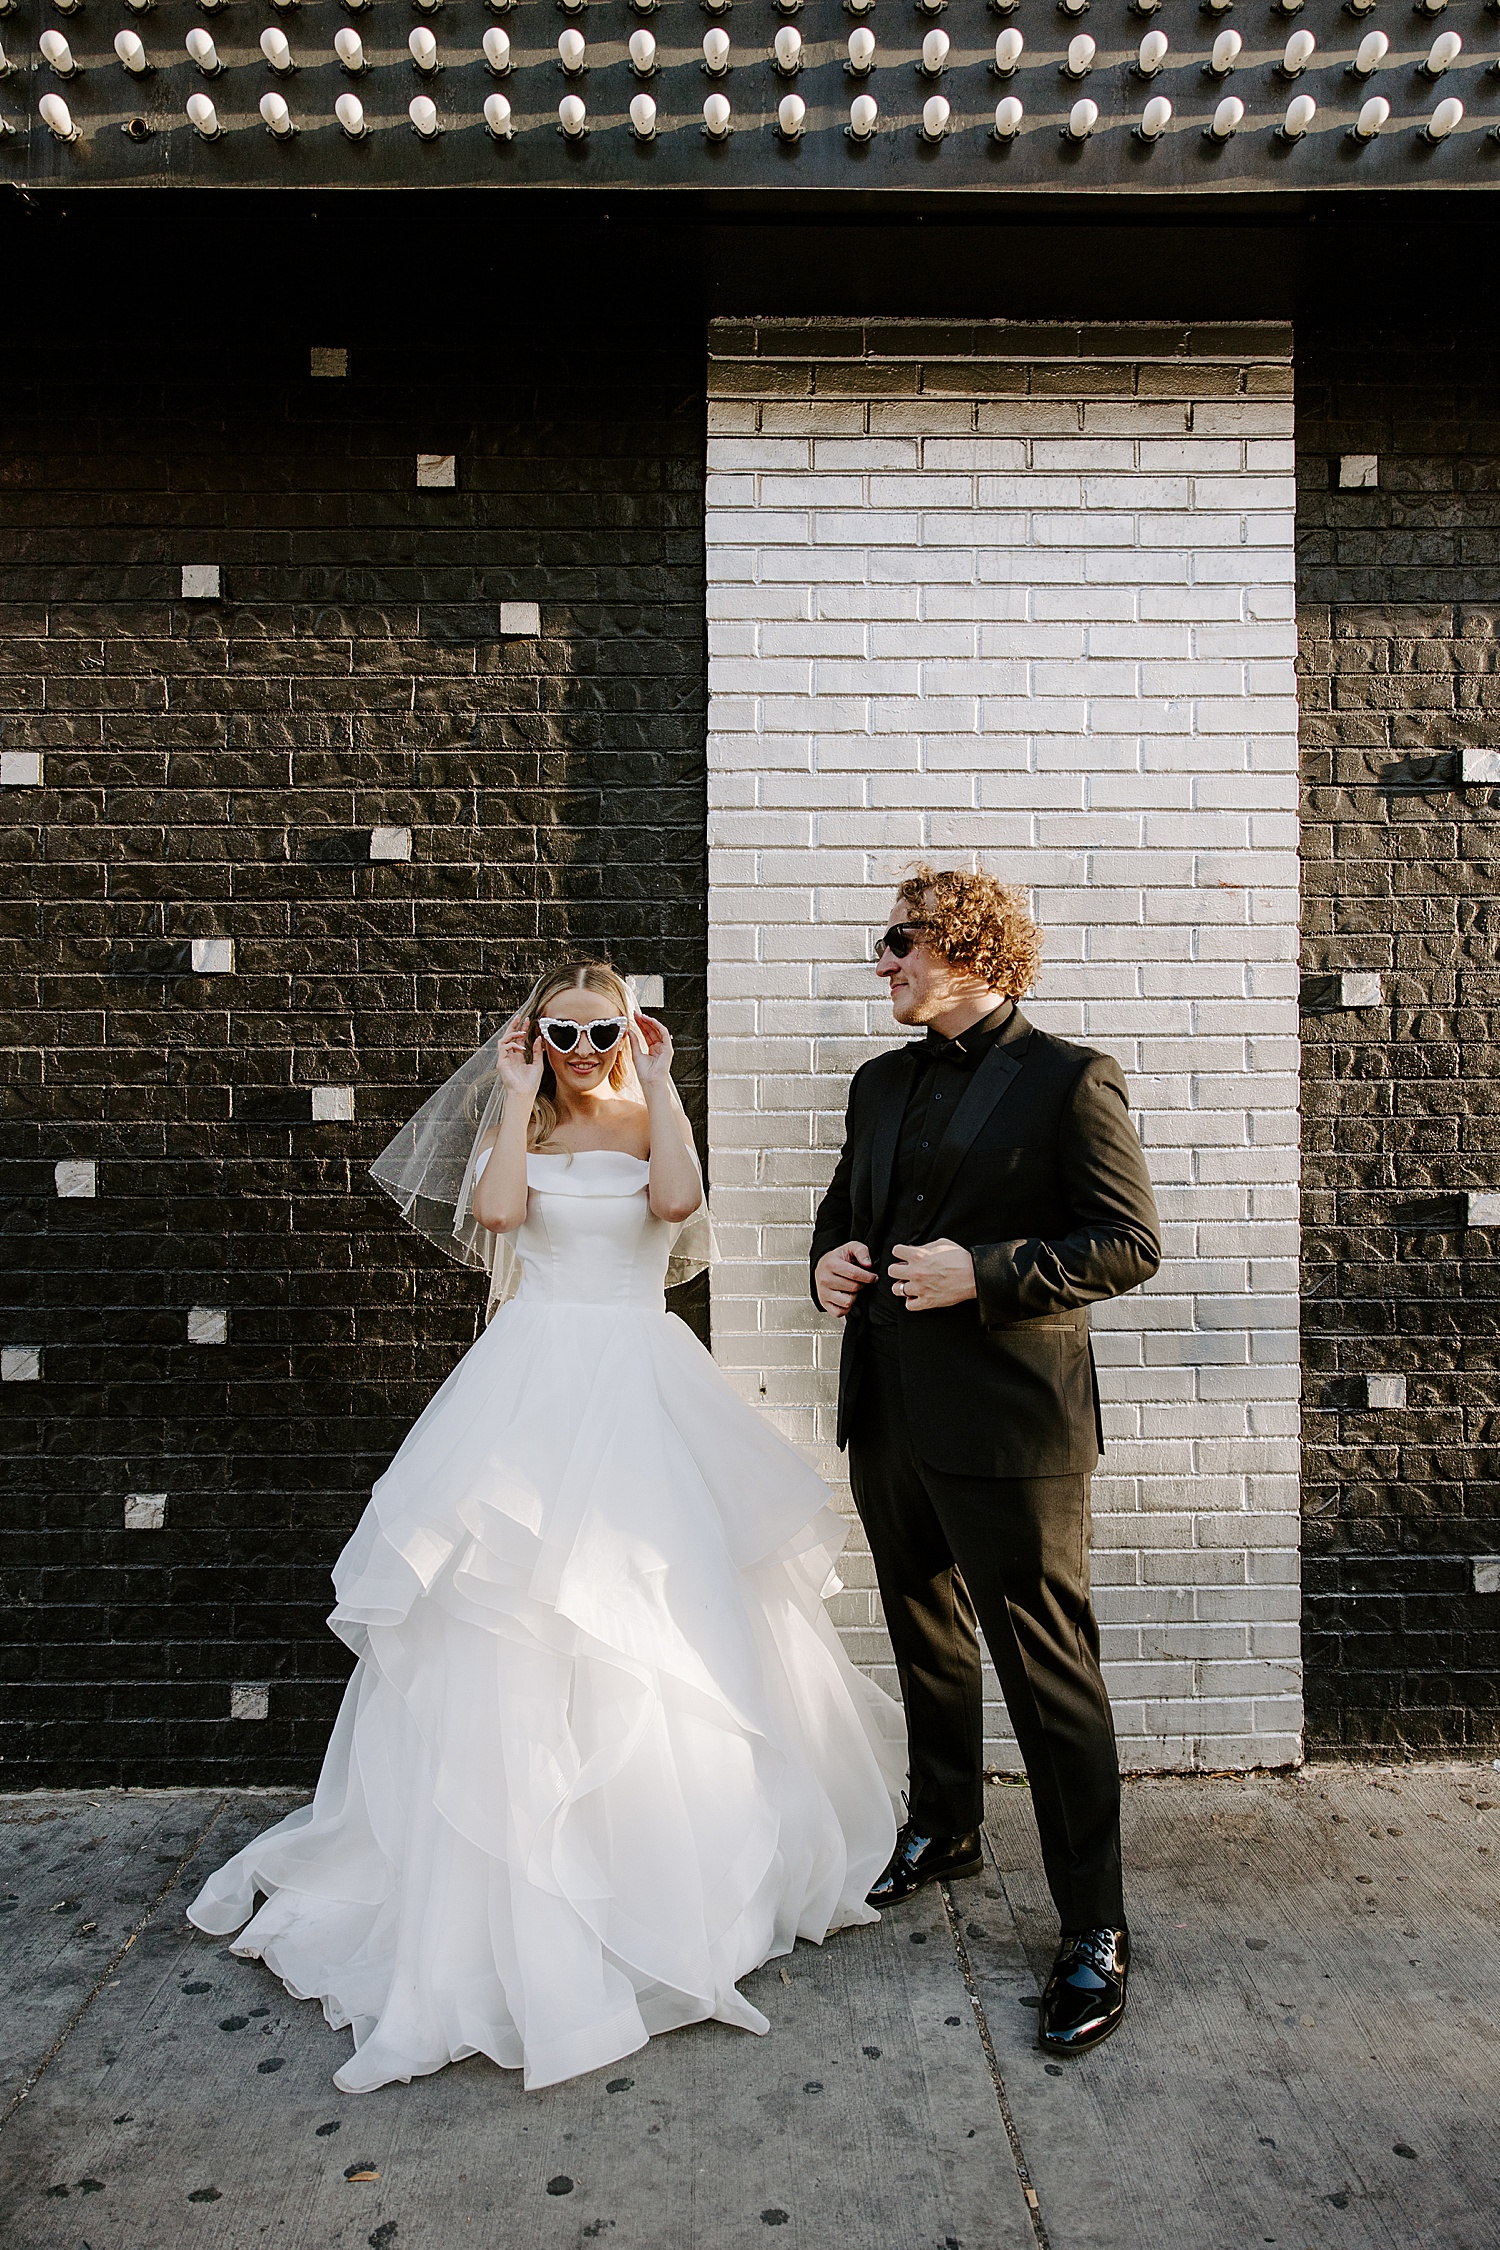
(602, 1753)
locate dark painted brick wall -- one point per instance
(216, 769)
(1400, 605)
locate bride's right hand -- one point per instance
(517, 1074)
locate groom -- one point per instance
(991, 1188)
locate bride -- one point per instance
(602, 1753)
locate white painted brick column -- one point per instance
(1027, 604)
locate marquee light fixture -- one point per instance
(716, 52)
(276, 117)
(863, 111)
(863, 7)
(791, 115)
(1227, 119)
(787, 48)
(1431, 7)
(496, 45)
(422, 47)
(1370, 54)
(276, 48)
(203, 117)
(497, 119)
(132, 53)
(1222, 7)
(422, 110)
(1224, 54)
(57, 117)
(1072, 7)
(1297, 54)
(1445, 119)
(199, 44)
(1152, 54)
(349, 48)
(57, 55)
(1445, 49)
(1373, 114)
(861, 51)
(936, 113)
(643, 117)
(1009, 48)
(1008, 115)
(643, 59)
(350, 112)
(1155, 118)
(1359, 7)
(1080, 57)
(1300, 112)
(572, 117)
(716, 117)
(572, 52)
(935, 48)
(1082, 118)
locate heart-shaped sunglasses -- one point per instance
(562, 1034)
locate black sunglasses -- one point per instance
(899, 939)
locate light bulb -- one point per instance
(1372, 116)
(1008, 50)
(1227, 118)
(1153, 54)
(571, 51)
(496, 45)
(422, 48)
(643, 58)
(716, 117)
(1225, 54)
(859, 7)
(1073, 7)
(422, 110)
(1082, 118)
(348, 46)
(1371, 53)
(1222, 7)
(1443, 119)
(935, 47)
(1359, 7)
(791, 112)
(1300, 112)
(1008, 116)
(203, 117)
(1297, 54)
(572, 117)
(1432, 7)
(497, 117)
(205, 54)
(1155, 118)
(276, 117)
(57, 117)
(277, 50)
(1445, 49)
(861, 49)
(716, 52)
(57, 53)
(643, 117)
(131, 53)
(350, 112)
(1081, 52)
(787, 47)
(935, 115)
(863, 112)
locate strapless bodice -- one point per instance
(589, 1237)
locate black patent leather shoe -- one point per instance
(925, 1859)
(1085, 1995)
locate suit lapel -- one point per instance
(990, 1084)
(888, 1133)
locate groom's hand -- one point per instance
(841, 1274)
(929, 1275)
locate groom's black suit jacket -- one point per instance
(1040, 1175)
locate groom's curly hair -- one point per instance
(976, 923)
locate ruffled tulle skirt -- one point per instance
(602, 1753)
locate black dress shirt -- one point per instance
(944, 1067)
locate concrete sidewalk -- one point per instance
(1312, 2057)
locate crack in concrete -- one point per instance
(1018, 2153)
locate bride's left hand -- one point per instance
(652, 1043)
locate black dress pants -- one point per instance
(1010, 1555)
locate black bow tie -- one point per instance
(933, 1051)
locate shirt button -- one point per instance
(927, 1144)
(921, 1199)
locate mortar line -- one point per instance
(34, 2075)
(1018, 2153)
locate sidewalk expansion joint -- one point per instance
(143, 1922)
(1018, 2154)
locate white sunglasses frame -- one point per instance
(600, 1054)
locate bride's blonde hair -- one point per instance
(572, 976)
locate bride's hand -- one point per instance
(517, 1075)
(652, 1043)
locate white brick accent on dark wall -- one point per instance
(1026, 602)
